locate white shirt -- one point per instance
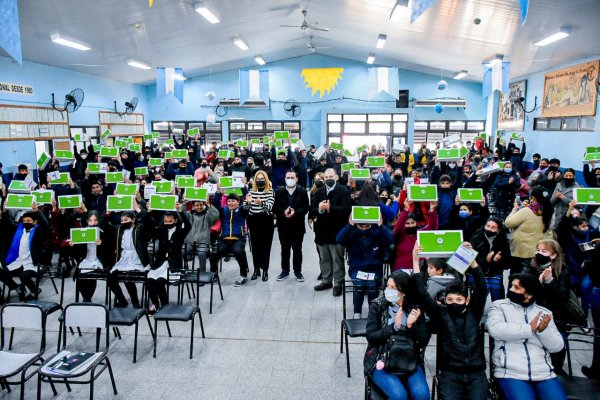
(24, 260)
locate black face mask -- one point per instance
(536, 164)
(330, 182)
(552, 168)
(456, 310)
(516, 298)
(126, 225)
(169, 226)
(319, 184)
(411, 231)
(397, 177)
(495, 158)
(261, 184)
(27, 225)
(542, 259)
(568, 181)
(489, 234)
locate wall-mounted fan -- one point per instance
(73, 101)
(292, 108)
(130, 107)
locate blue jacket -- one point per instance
(233, 223)
(446, 201)
(366, 248)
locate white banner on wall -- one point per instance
(15, 88)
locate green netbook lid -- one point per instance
(43, 160)
(127, 188)
(281, 135)
(121, 143)
(470, 195)
(193, 132)
(163, 186)
(449, 154)
(114, 177)
(155, 135)
(226, 181)
(375, 162)
(63, 154)
(422, 192)
(368, 215)
(360, 173)
(180, 153)
(106, 134)
(590, 196)
(163, 202)
(70, 201)
(196, 194)
(19, 201)
(185, 181)
(155, 162)
(439, 243)
(84, 235)
(119, 203)
(591, 157)
(106, 151)
(43, 196)
(17, 186)
(147, 136)
(136, 148)
(59, 178)
(336, 146)
(226, 154)
(140, 171)
(235, 190)
(97, 168)
(242, 143)
(348, 166)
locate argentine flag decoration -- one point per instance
(169, 80)
(383, 80)
(495, 77)
(254, 85)
(10, 31)
(419, 7)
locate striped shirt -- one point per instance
(267, 198)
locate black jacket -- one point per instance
(171, 248)
(298, 201)
(462, 350)
(111, 252)
(329, 223)
(482, 246)
(40, 242)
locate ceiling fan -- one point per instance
(311, 47)
(307, 25)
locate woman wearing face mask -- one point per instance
(395, 334)
(529, 225)
(493, 255)
(405, 235)
(506, 184)
(563, 195)
(202, 173)
(91, 261)
(524, 336)
(259, 202)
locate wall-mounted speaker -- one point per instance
(402, 101)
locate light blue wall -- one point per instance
(100, 93)
(568, 146)
(286, 83)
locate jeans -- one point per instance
(396, 388)
(291, 240)
(514, 389)
(465, 386)
(495, 286)
(596, 317)
(363, 287)
(582, 284)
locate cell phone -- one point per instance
(588, 246)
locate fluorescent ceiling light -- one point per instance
(138, 64)
(206, 13)
(240, 43)
(401, 6)
(371, 58)
(460, 74)
(381, 41)
(259, 60)
(564, 32)
(67, 41)
(498, 58)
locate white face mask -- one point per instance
(392, 295)
(290, 183)
(83, 156)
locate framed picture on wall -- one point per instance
(510, 114)
(571, 92)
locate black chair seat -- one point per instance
(48, 307)
(125, 315)
(579, 388)
(173, 312)
(355, 327)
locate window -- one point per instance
(434, 131)
(564, 124)
(247, 130)
(209, 132)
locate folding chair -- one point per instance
(128, 316)
(85, 315)
(178, 312)
(20, 316)
(199, 278)
(353, 327)
(578, 387)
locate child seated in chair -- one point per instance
(437, 277)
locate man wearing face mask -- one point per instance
(281, 161)
(238, 166)
(553, 175)
(525, 335)
(28, 249)
(563, 195)
(331, 206)
(506, 184)
(77, 169)
(94, 199)
(461, 359)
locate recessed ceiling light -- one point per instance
(259, 60)
(138, 64)
(460, 74)
(371, 58)
(564, 32)
(240, 43)
(381, 41)
(201, 9)
(69, 42)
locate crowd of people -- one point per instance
(527, 227)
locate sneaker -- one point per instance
(357, 316)
(323, 286)
(283, 275)
(241, 281)
(299, 276)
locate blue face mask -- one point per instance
(508, 170)
(463, 214)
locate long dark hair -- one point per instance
(543, 199)
(367, 196)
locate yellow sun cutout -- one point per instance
(321, 80)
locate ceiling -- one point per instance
(444, 39)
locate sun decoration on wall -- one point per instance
(321, 80)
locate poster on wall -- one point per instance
(571, 92)
(510, 114)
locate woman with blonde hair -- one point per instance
(259, 202)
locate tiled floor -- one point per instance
(267, 340)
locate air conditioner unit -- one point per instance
(235, 103)
(445, 102)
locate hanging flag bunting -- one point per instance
(322, 80)
(495, 77)
(169, 80)
(10, 32)
(524, 8)
(254, 85)
(383, 80)
(419, 7)
(150, 3)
